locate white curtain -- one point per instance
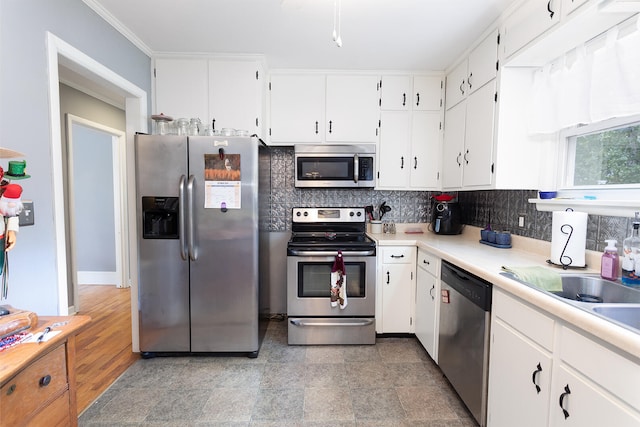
(582, 88)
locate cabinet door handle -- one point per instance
(11, 389)
(415, 163)
(330, 126)
(424, 261)
(433, 287)
(465, 157)
(316, 127)
(401, 162)
(417, 99)
(534, 377)
(469, 80)
(458, 159)
(45, 381)
(388, 277)
(462, 87)
(397, 256)
(404, 99)
(566, 393)
(551, 12)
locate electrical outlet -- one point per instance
(27, 215)
(521, 221)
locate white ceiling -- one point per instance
(377, 34)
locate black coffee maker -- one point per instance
(446, 215)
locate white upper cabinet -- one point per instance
(410, 132)
(470, 118)
(229, 91)
(396, 93)
(352, 111)
(473, 72)
(235, 95)
(297, 108)
(528, 21)
(427, 93)
(181, 87)
(318, 108)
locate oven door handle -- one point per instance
(296, 252)
(302, 322)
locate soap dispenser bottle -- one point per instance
(609, 264)
(631, 252)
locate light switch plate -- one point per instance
(27, 216)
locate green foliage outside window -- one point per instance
(610, 157)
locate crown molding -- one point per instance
(119, 26)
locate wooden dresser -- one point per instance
(38, 381)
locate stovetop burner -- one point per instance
(329, 229)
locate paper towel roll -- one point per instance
(569, 238)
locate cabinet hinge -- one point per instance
(411, 321)
(495, 97)
(379, 123)
(498, 38)
(440, 102)
(438, 176)
(256, 122)
(440, 125)
(497, 65)
(380, 85)
(257, 75)
(378, 174)
(379, 102)
(269, 131)
(154, 73)
(269, 85)
(441, 84)
(492, 167)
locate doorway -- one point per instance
(95, 178)
(99, 80)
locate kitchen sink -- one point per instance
(612, 301)
(594, 289)
(626, 314)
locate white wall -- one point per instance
(25, 123)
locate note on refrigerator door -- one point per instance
(222, 181)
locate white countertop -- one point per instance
(485, 261)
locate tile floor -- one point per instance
(393, 383)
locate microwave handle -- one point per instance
(356, 168)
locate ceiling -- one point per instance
(409, 35)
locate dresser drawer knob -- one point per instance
(44, 381)
(11, 389)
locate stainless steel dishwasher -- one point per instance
(463, 353)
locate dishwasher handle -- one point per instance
(471, 287)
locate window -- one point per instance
(604, 156)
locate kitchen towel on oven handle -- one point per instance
(338, 282)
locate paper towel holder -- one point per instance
(566, 229)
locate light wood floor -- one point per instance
(103, 350)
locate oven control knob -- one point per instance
(359, 214)
(350, 213)
(306, 213)
(298, 213)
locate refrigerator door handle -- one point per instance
(193, 254)
(181, 218)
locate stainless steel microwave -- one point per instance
(335, 166)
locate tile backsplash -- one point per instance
(501, 208)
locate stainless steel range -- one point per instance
(318, 234)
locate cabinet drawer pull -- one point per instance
(401, 162)
(417, 99)
(425, 261)
(534, 377)
(404, 99)
(566, 393)
(316, 127)
(397, 256)
(11, 389)
(330, 126)
(45, 381)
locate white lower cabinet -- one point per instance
(427, 302)
(519, 379)
(544, 373)
(396, 289)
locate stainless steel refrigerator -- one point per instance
(198, 212)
